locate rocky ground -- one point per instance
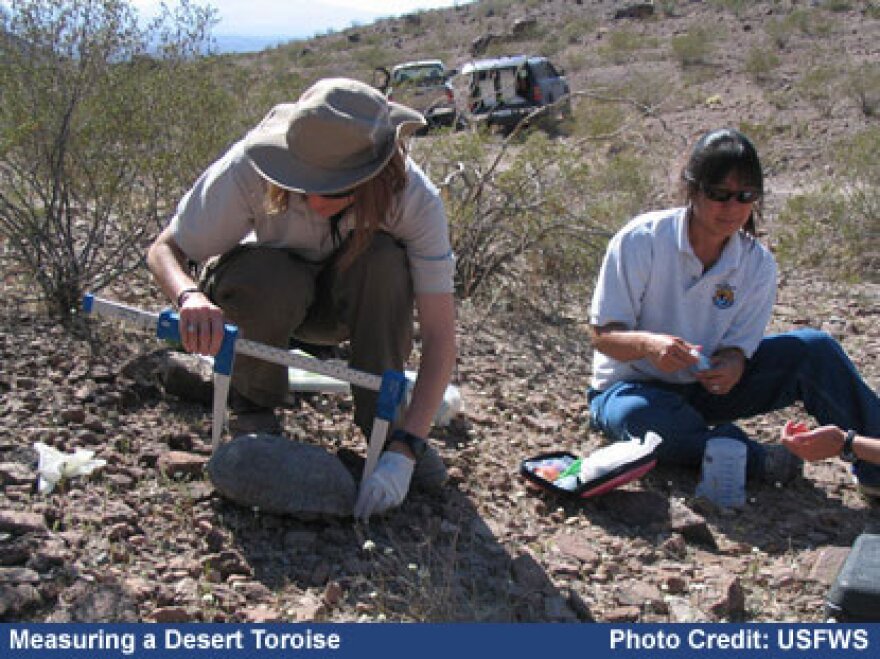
(147, 538)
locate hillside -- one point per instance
(147, 538)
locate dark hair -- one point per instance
(715, 156)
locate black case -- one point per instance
(855, 595)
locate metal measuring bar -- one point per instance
(391, 385)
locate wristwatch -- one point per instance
(846, 452)
(416, 444)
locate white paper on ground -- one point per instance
(53, 465)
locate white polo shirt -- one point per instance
(226, 207)
(651, 280)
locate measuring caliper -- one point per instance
(391, 385)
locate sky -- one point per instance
(293, 19)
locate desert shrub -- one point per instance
(692, 48)
(862, 84)
(736, 7)
(373, 56)
(819, 87)
(575, 30)
(810, 22)
(595, 119)
(574, 59)
(102, 125)
(837, 228)
(760, 62)
(667, 7)
(648, 90)
(779, 30)
(836, 5)
(540, 208)
(621, 46)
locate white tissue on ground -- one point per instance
(54, 466)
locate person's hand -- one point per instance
(386, 487)
(726, 370)
(670, 353)
(823, 442)
(201, 325)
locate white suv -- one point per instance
(424, 86)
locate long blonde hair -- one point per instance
(372, 201)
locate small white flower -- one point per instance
(369, 545)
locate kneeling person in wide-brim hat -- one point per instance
(318, 226)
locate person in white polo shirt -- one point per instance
(678, 322)
(318, 226)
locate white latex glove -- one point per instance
(386, 487)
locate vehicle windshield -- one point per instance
(544, 69)
(427, 74)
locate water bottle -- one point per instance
(723, 476)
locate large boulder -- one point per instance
(281, 476)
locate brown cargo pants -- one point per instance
(272, 295)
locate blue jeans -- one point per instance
(805, 365)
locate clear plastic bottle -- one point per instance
(723, 476)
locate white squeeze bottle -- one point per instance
(723, 476)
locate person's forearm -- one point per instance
(867, 449)
(167, 263)
(434, 374)
(621, 344)
(437, 324)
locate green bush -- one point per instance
(810, 22)
(836, 5)
(820, 88)
(779, 30)
(736, 7)
(760, 62)
(595, 119)
(103, 124)
(692, 48)
(540, 208)
(863, 84)
(837, 228)
(621, 46)
(573, 31)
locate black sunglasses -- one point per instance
(722, 195)
(337, 195)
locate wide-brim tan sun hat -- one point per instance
(339, 134)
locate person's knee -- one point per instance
(383, 275)
(263, 283)
(386, 258)
(817, 344)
